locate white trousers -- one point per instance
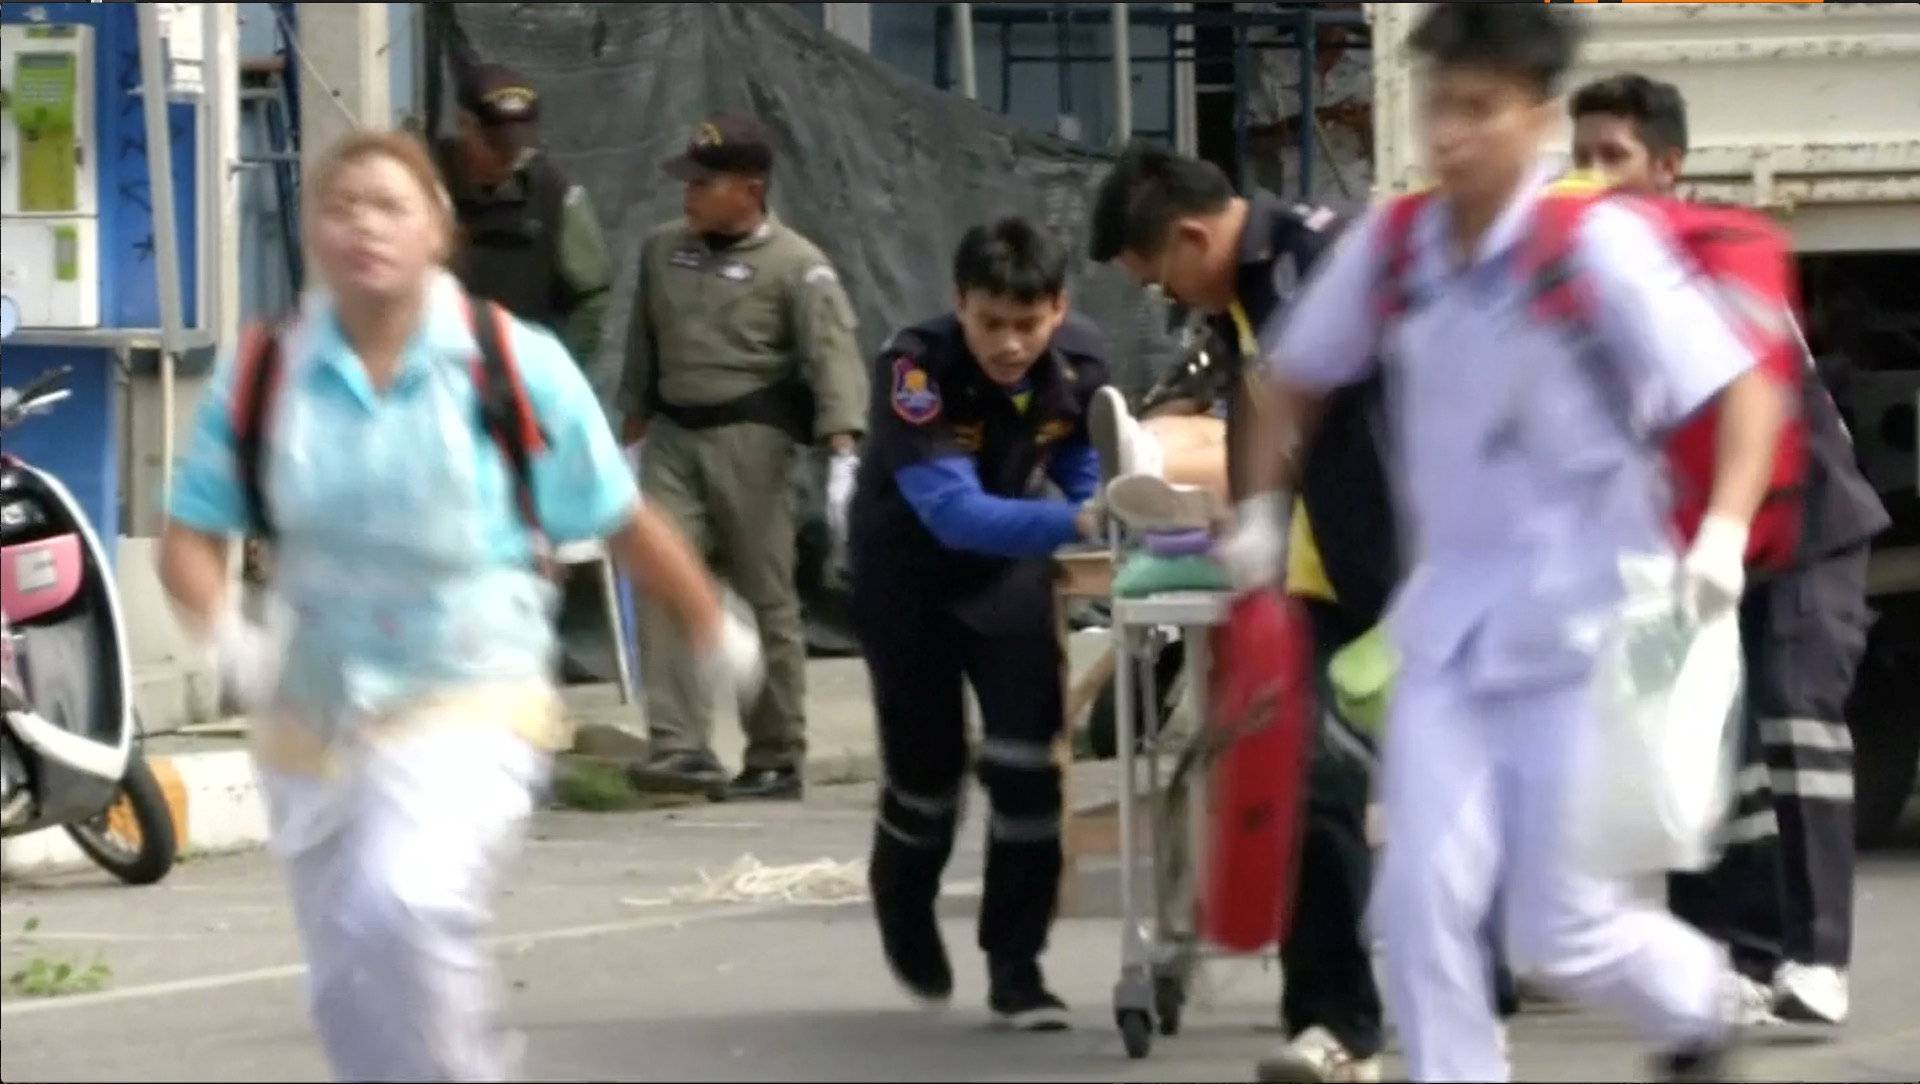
(392, 869)
(1475, 787)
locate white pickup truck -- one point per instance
(1811, 112)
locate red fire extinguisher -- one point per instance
(1260, 732)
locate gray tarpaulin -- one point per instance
(882, 171)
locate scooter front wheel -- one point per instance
(133, 838)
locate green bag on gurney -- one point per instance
(1362, 676)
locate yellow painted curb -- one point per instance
(175, 790)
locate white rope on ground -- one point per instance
(749, 880)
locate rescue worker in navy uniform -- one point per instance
(529, 238)
(1782, 894)
(951, 536)
(1175, 222)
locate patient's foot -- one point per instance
(1148, 504)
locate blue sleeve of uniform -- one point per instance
(582, 484)
(206, 479)
(1075, 468)
(947, 495)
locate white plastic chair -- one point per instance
(593, 552)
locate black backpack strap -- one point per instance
(255, 386)
(506, 412)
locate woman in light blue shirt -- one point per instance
(400, 741)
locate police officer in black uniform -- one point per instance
(974, 414)
(529, 238)
(530, 242)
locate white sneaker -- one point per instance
(1316, 1057)
(1755, 1007)
(1811, 993)
(1146, 503)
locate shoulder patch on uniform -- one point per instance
(819, 273)
(916, 399)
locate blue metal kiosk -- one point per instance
(81, 256)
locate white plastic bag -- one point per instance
(1655, 786)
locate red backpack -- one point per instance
(1748, 262)
(506, 413)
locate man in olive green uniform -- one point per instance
(529, 238)
(740, 354)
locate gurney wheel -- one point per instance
(1136, 1033)
(1169, 1001)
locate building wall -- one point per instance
(904, 35)
(265, 287)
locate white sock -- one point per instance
(1145, 450)
(1135, 450)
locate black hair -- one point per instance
(1533, 41)
(1658, 112)
(1145, 192)
(1011, 258)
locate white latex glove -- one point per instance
(247, 660)
(842, 471)
(1714, 573)
(1254, 552)
(734, 665)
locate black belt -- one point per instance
(786, 406)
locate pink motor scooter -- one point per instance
(69, 746)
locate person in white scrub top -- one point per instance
(1524, 468)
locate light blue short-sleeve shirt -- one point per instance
(399, 550)
(1524, 459)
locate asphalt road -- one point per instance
(606, 982)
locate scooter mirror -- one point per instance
(9, 317)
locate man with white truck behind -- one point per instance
(1782, 896)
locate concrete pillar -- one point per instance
(852, 23)
(963, 45)
(345, 76)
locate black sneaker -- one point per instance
(1699, 1064)
(679, 773)
(910, 937)
(1020, 998)
(767, 785)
